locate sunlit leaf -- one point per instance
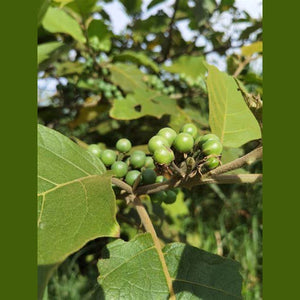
(75, 200)
(57, 20)
(229, 116)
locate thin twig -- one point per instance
(147, 223)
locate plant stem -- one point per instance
(147, 223)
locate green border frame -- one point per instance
(18, 145)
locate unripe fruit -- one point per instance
(138, 159)
(160, 179)
(108, 157)
(131, 177)
(95, 149)
(119, 168)
(212, 162)
(163, 155)
(190, 129)
(157, 142)
(149, 163)
(123, 145)
(169, 134)
(212, 147)
(207, 137)
(148, 176)
(158, 197)
(171, 197)
(184, 142)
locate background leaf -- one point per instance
(229, 116)
(57, 20)
(196, 274)
(191, 66)
(127, 77)
(138, 58)
(99, 36)
(75, 199)
(142, 103)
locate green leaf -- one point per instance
(132, 6)
(199, 274)
(83, 7)
(249, 50)
(142, 103)
(196, 274)
(191, 66)
(43, 6)
(50, 52)
(69, 67)
(127, 77)
(45, 50)
(138, 58)
(44, 274)
(229, 116)
(75, 200)
(99, 36)
(154, 3)
(57, 20)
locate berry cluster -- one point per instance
(107, 89)
(170, 153)
(157, 84)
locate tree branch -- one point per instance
(170, 31)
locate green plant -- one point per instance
(148, 176)
(169, 134)
(108, 157)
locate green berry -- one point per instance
(160, 179)
(119, 168)
(123, 145)
(190, 129)
(207, 137)
(184, 142)
(95, 149)
(212, 162)
(108, 157)
(131, 177)
(138, 159)
(149, 163)
(148, 176)
(212, 147)
(158, 197)
(157, 142)
(108, 94)
(169, 134)
(163, 155)
(171, 197)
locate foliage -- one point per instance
(131, 84)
